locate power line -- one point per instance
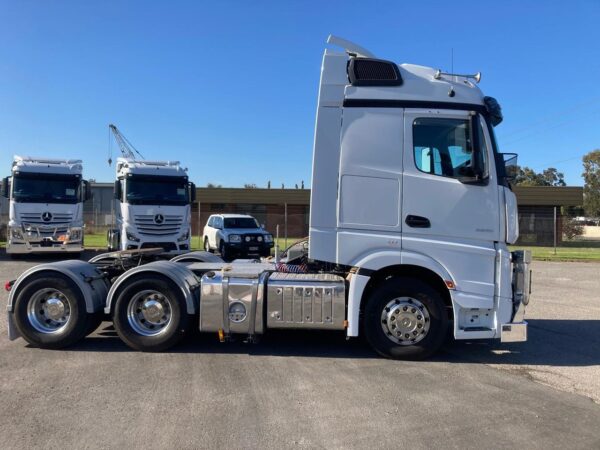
(545, 119)
(533, 133)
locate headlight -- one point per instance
(235, 238)
(16, 233)
(75, 234)
(132, 237)
(268, 238)
(259, 238)
(184, 236)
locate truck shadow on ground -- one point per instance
(551, 343)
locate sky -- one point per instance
(229, 88)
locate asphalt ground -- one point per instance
(316, 390)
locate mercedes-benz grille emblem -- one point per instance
(159, 218)
(47, 216)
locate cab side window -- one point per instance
(443, 146)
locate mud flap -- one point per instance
(13, 333)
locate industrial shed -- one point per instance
(269, 206)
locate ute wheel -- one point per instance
(150, 314)
(405, 318)
(50, 311)
(223, 250)
(207, 246)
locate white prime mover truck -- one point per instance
(152, 206)
(45, 205)
(411, 214)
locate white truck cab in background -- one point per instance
(152, 206)
(45, 205)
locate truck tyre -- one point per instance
(150, 314)
(207, 245)
(50, 311)
(113, 237)
(405, 318)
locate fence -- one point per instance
(545, 227)
(554, 227)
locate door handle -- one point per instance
(417, 222)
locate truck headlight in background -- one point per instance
(268, 238)
(185, 236)
(132, 237)
(75, 234)
(16, 233)
(235, 238)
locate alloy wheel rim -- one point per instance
(149, 313)
(49, 311)
(405, 321)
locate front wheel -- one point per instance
(207, 245)
(406, 318)
(150, 314)
(223, 251)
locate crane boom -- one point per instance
(126, 147)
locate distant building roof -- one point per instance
(549, 195)
(526, 195)
(253, 195)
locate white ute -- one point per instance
(46, 205)
(410, 220)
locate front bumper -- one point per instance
(516, 329)
(249, 248)
(43, 246)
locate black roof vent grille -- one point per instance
(373, 72)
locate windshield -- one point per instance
(156, 190)
(45, 188)
(240, 222)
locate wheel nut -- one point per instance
(413, 310)
(419, 317)
(405, 308)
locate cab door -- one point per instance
(446, 215)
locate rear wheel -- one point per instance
(50, 311)
(405, 318)
(150, 314)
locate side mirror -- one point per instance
(86, 190)
(192, 188)
(118, 191)
(475, 173)
(5, 189)
(509, 165)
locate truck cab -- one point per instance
(152, 206)
(45, 205)
(408, 181)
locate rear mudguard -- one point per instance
(86, 276)
(178, 273)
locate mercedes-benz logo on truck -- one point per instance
(47, 216)
(159, 218)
